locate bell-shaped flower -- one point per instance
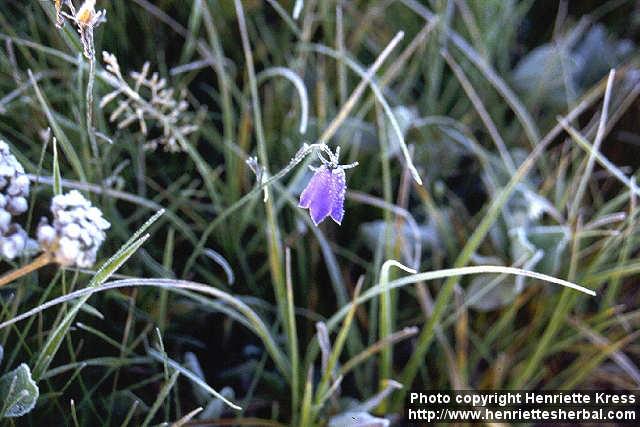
(324, 195)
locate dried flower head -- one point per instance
(324, 195)
(151, 104)
(86, 19)
(87, 13)
(77, 231)
(14, 190)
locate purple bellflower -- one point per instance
(324, 195)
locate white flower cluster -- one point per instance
(14, 190)
(76, 233)
(74, 237)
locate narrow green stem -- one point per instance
(273, 232)
(559, 314)
(323, 387)
(293, 342)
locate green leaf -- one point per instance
(57, 179)
(487, 293)
(18, 392)
(541, 74)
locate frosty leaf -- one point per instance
(576, 60)
(488, 292)
(374, 231)
(540, 248)
(192, 363)
(215, 408)
(540, 74)
(527, 208)
(358, 415)
(18, 392)
(357, 419)
(553, 240)
(598, 53)
(521, 247)
(548, 73)
(358, 133)
(406, 117)
(447, 147)
(550, 240)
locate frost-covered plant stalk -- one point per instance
(151, 103)
(85, 19)
(14, 190)
(59, 18)
(72, 239)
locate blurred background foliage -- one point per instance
(475, 86)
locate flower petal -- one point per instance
(312, 188)
(339, 188)
(317, 196)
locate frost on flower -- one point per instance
(77, 231)
(14, 190)
(324, 195)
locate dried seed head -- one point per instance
(87, 13)
(160, 112)
(86, 20)
(77, 231)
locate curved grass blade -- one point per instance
(108, 268)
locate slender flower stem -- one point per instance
(299, 157)
(89, 107)
(272, 230)
(34, 265)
